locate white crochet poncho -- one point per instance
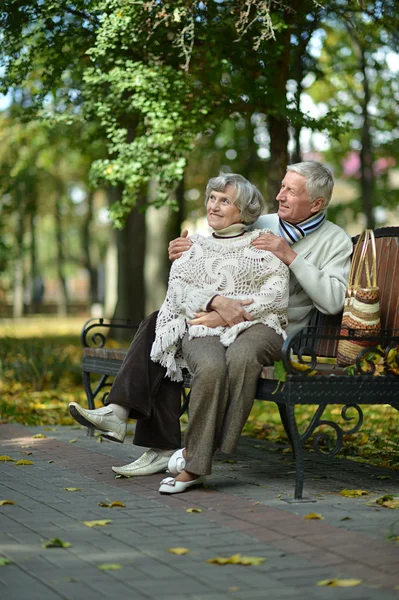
(230, 267)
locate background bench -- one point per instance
(330, 385)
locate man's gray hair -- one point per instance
(319, 180)
(249, 200)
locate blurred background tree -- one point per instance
(127, 106)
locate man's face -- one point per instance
(293, 199)
(221, 210)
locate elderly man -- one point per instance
(317, 253)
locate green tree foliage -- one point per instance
(356, 81)
(153, 76)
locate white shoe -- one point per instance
(177, 462)
(152, 461)
(111, 426)
(169, 485)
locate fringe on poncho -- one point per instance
(229, 267)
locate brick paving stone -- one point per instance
(242, 511)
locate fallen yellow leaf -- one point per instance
(4, 502)
(114, 504)
(101, 523)
(392, 504)
(353, 493)
(314, 516)
(193, 510)
(24, 462)
(5, 458)
(233, 589)
(340, 582)
(72, 441)
(178, 550)
(38, 436)
(236, 559)
(73, 489)
(109, 567)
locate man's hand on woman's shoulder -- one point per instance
(178, 246)
(275, 244)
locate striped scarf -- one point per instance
(293, 233)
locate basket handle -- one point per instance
(360, 261)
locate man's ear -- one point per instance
(317, 205)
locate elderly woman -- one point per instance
(225, 360)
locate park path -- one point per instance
(243, 510)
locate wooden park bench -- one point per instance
(311, 375)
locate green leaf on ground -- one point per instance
(109, 567)
(4, 561)
(56, 543)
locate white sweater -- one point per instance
(230, 267)
(319, 274)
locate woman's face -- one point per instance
(221, 211)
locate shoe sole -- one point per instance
(86, 423)
(138, 474)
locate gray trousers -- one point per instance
(223, 389)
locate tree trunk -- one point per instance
(173, 227)
(277, 121)
(297, 154)
(278, 130)
(18, 295)
(367, 181)
(36, 282)
(131, 256)
(63, 301)
(87, 257)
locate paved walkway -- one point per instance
(243, 511)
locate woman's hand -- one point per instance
(209, 319)
(231, 311)
(178, 246)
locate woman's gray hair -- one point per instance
(319, 180)
(249, 200)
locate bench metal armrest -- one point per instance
(91, 335)
(306, 343)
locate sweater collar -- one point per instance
(231, 231)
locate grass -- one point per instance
(40, 374)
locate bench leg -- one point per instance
(282, 408)
(295, 439)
